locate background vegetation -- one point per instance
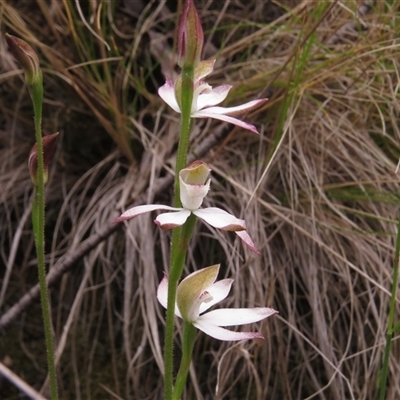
(319, 191)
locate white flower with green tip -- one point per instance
(205, 98)
(194, 186)
(198, 292)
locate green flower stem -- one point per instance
(186, 127)
(36, 92)
(180, 236)
(189, 334)
(180, 241)
(392, 309)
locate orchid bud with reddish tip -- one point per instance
(190, 37)
(49, 148)
(27, 57)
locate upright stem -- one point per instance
(392, 309)
(186, 127)
(178, 257)
(180, 236)
(38, 221)
(189, 333)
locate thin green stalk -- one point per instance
(38, 210)
(392, 309)
(189, 334)
(178, 256)
(181, 236)
(186, 127)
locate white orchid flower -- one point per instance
(205, 98)
(198, 292)
(194, 185)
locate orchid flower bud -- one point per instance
(194, 184)
(27, 57)
(49, 147)
(190, 37)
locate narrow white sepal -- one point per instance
(167, 93)
(219, 291)
(224, 334)
(171, 220)
(247, 241)
(135, 211)
(236, 316)
(220, 219)
(216, 96)
(162, 295)
(207, 113)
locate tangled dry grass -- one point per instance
(318, 189)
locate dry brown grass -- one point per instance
(318, 190)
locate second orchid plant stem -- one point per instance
(38, 221)
(391, 328)
(29, 61)
(181, 236)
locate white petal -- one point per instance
(236, 316)
(247, 241)
(192, 195)
(224, 334)
(167, 93)
(162, 292)
(237, 110)
(162, 295)
(216, 96)
(220, 219)
(134, 211)
(218, 290)
(207, 113)
(172, 220)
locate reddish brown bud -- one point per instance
(27, 57)
(49, 147)
(190, 37)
